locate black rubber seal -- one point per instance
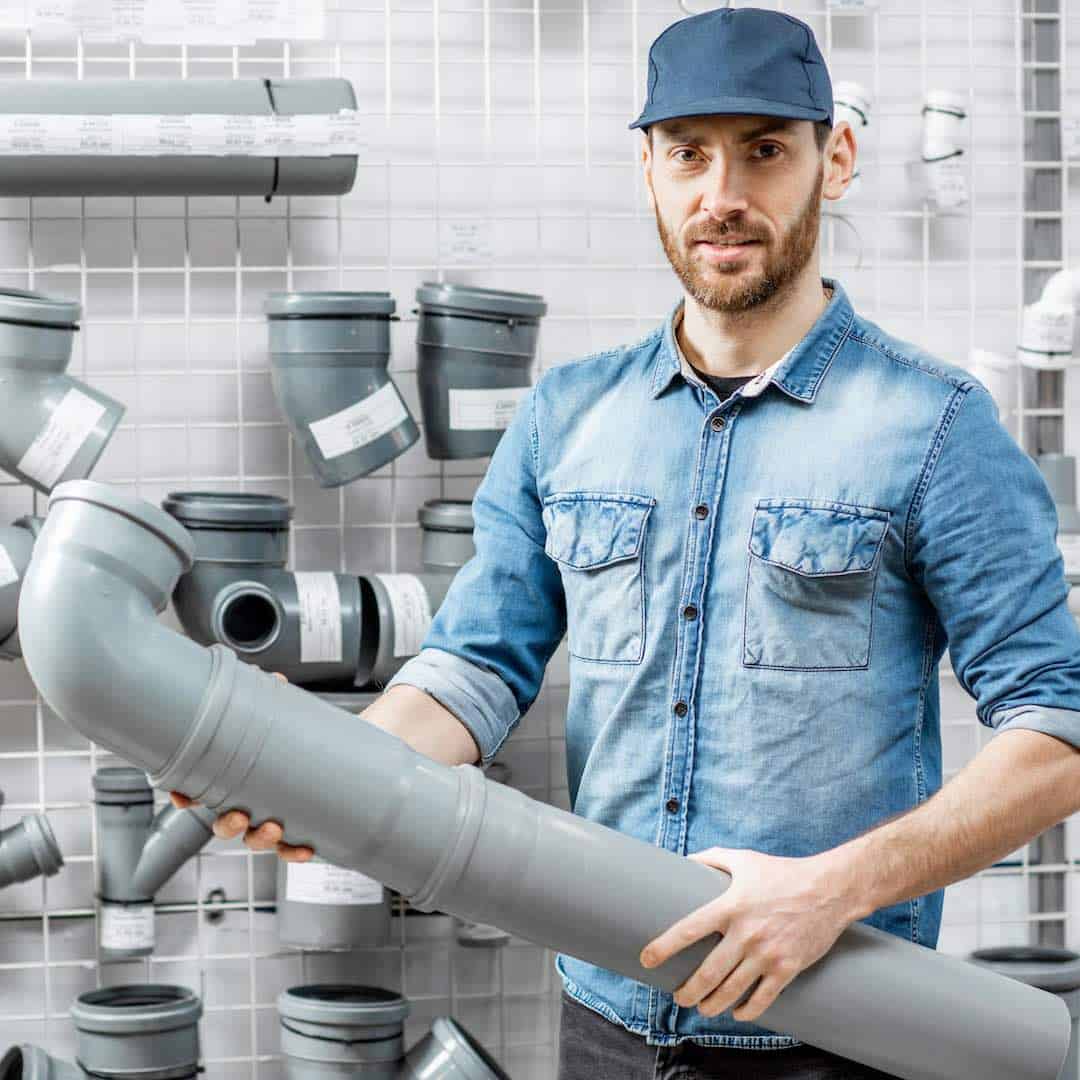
(277, 160)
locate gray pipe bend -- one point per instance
(16, 548)
(28, 850)
(229, 735)
(27, 1062)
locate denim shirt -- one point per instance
(757, 594)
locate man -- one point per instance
(760, 527)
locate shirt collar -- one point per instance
(798, 372)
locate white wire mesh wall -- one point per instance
(498, 156)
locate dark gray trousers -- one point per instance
(593, 1048)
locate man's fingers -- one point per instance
(712, 971)
(728, 993)
(278, 675)
(231, 825)
(265, 837)
(181, 802)
(707, 919)
(294, 853)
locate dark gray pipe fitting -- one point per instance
(398, 607)
(52, 427)
(28, 850)
(32, 1063)
(345, 1031)
(16, 547)
(239, 594)
(328, 358)
(330, 908)
(229, 735)
(176, 174)
(474, 351)
(149, 1032)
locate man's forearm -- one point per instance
(1019, 785)
(429, 728)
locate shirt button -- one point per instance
(701, 510)
(672, 805)
(717, 423)
(681, 708)
(690, 611)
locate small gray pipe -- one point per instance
(328, 357)
(28, 850)
(16, 547)
(343, 1031)
(32, 1063)
(175, 174)
(229, 735)
(239, 594)
(52, 427)
(475, 348)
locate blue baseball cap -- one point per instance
(737, 60)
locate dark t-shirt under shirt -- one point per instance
(724, 385)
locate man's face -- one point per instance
(715, 179)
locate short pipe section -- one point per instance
(475, 350)
(28, 850)
(447, 838)
(27, 1062)
(138, 1032)
(329, 353)
(53, 427)
(16, 549)
(305, 625)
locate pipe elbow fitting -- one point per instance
(25, 1062)
(28, 850)
(1061, 289)
(16, 549)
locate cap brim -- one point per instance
(740, 106)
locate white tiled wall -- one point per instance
(511, 115)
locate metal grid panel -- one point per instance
(509, 118)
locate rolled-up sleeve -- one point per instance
(490, 640)
(981, 539)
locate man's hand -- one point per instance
(777, 917)
(265, 837)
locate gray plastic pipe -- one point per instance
(328, 357)
(474, 350)
(229, 735)
(16, 547)
(138, 1032)
(28, 850)
(52, 427)
(176, 174)
(239, 594)
(341, 1031)
(137, 854)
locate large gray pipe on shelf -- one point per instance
(230, 735)
(52, 427)
(87, 173)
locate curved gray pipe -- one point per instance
(238, 592)
(28, 850)
(176, 174)
(32, 1063)
(229, 735)
(16, 547)
(52, 427)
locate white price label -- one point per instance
(127, 926)
(484, 410)
(411, 609)
(323, 883)
(60, 439)
(1069, 546)
(947, 180)
(8, 573)
(320, 617)
(359, 424)
(465, 241)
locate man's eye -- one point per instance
(770, 146)
(682, 160)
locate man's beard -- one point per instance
(737, 289)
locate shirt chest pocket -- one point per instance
(810, 583)
(598, 541)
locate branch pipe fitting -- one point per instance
(239, 594)
(946, 134)
(329, 353)
(16, 548)
(176, 173)
(138, 1032)
(229, 735)
(1047, 326)
(28, 850)
(343, 1031)
(54, 428)
(475, 350)
(398, 608)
